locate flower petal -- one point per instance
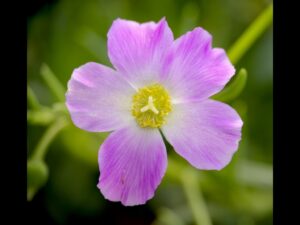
(204, 133)
(136, 50)
(98, 99)
(132, 162)
(193, 70)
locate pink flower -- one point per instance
(157, 83)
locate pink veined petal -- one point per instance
(205, 133)
(132, 162)
(98, 99)
(193, 70)
(136, 50)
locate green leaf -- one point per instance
(44, 116)
(234, 89)
(37, 175)
(32, 99)
(53, 83)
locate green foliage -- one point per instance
(43, 116)
(37, 173)
(235, 88)
(53, 83)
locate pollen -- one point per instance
(151, 105)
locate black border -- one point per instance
(286, 113)
(286, 131)
(13, 110)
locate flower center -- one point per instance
(150, 105)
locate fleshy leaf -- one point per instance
(234, 89)
(37, 175)
(40, 117)
(32, 99)
(53, 83)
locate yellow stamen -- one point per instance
(151, 104)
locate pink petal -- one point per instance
(98, 99)
(193, 70)
(132, 162)
(204, 133)
(136, 50)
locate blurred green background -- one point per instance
(65, 34)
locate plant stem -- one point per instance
(251, 34)
(53, 83)
(167, 216)
(41, 148)
(194, 197)
(32, 99)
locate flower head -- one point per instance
(157, 83)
